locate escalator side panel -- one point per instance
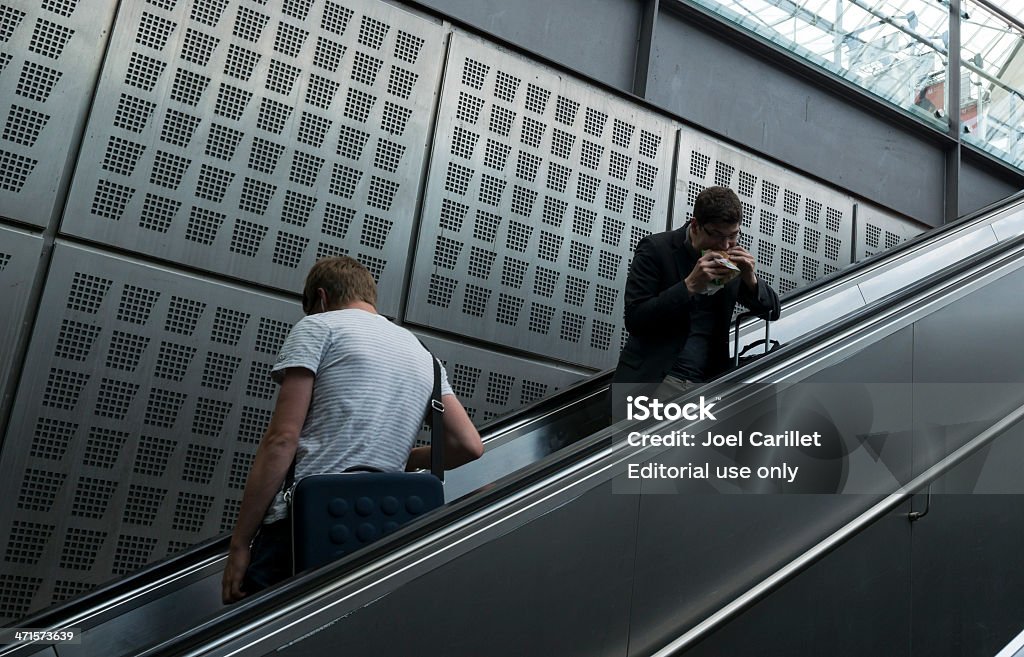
(852, 604)
(966, 552)
(962, 555)
(947, 585)
(928, 261)
(803, 317)
(968, 367)
(718, 543)
(967, 576)
(976, 339)
(165, 616)
(966, 555)
(559, 585)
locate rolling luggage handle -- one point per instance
(769, 344)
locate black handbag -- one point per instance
(335, 514)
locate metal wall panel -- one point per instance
(144, 395)
(980, 186)
(50, 52)
(602, 34)
(877, 230)
(490, 384)
(252, 139)
(797, 230)
(539, 189)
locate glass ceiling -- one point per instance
(897, 49)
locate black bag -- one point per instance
(739, 359)
(335, 514)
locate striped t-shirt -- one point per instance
(373, 383)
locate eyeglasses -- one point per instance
(727, 237)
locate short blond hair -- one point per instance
(344, 279)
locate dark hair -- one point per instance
(344, 279)
(717, 205)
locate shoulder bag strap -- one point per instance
(436, 415)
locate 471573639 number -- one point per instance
(67, 635)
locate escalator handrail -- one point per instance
(94, 602)
(248, 612)
(900, 250)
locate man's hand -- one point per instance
(706, 270)
(742, 259)
(234, 573)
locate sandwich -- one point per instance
(723, 259)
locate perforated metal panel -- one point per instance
(144, 396)
(50, 53)
(878, 230)
(798, 230)
(491, 384)
(539, 189)
(252, 139)
(19, 258)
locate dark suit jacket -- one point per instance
(658, 305)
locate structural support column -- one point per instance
(644, 47)
(952, 187)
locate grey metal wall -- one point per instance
(253, 140)
(50, 57)
(228, 145)
(750, 100)
(595, 37)
(539, 190)
(145, 393)
(940, 585)
(979, 187)
(797, 229)
(488, 383)
(649, 48)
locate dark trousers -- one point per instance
(270, 557)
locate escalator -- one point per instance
(545, 481)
